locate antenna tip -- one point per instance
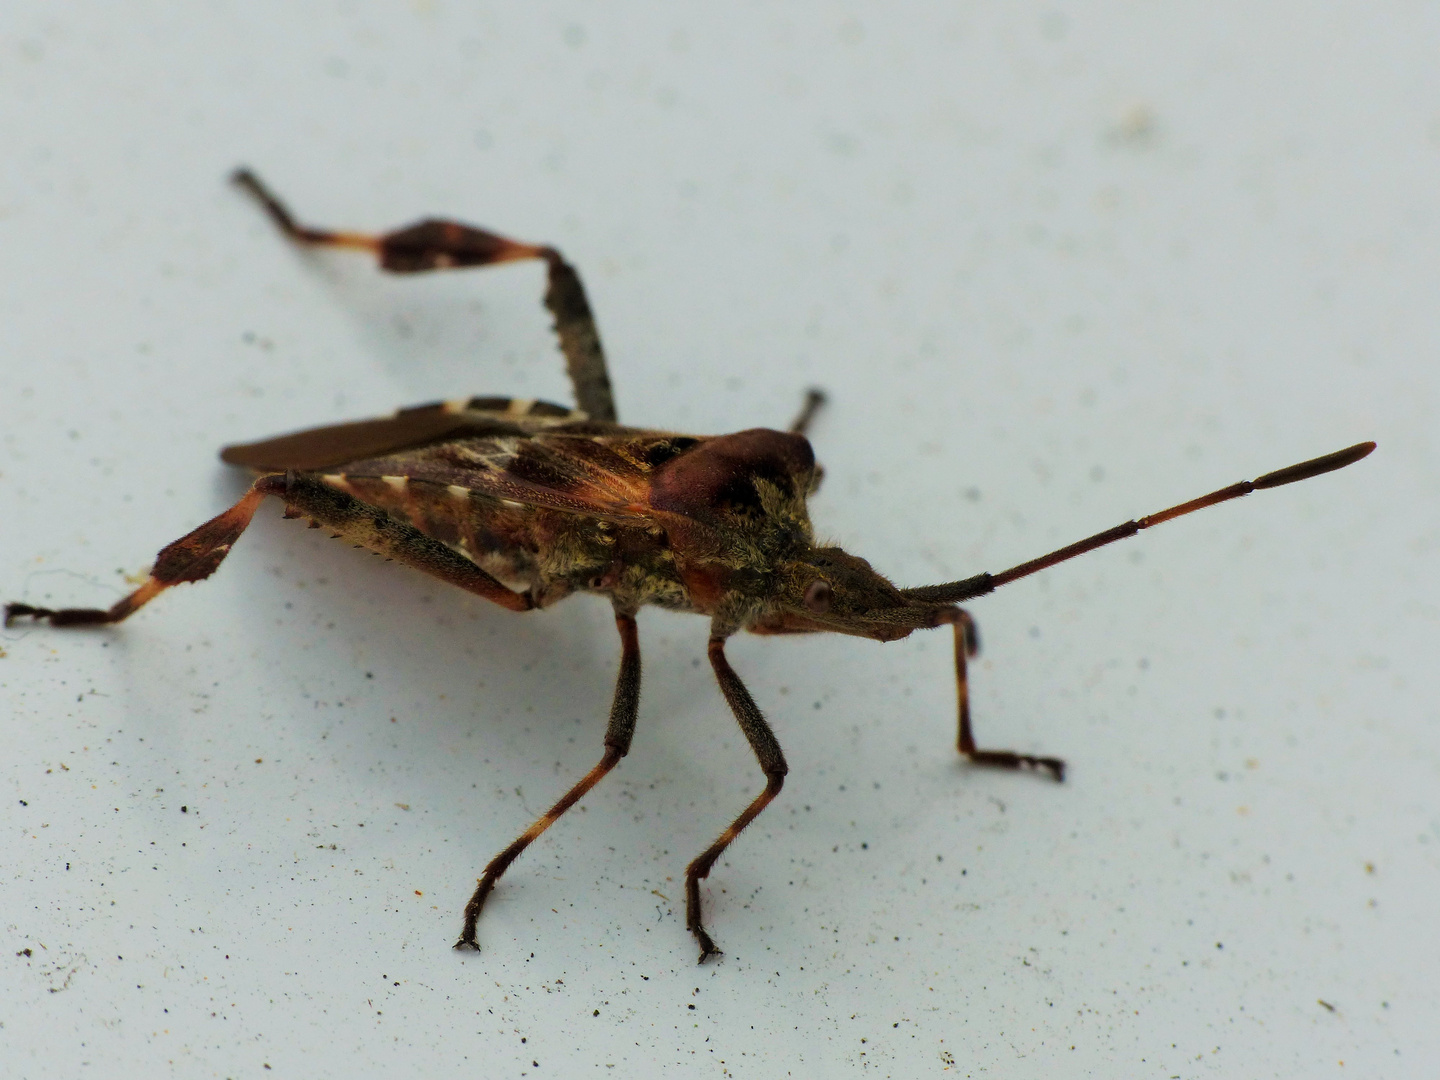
(1306, 469)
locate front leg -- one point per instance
(967, 644)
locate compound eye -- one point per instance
(817, 597)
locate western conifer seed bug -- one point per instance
(525, 502)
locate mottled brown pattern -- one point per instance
(525, 502)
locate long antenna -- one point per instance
(955, 591)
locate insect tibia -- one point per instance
(196, 556)
(193, 557)
(579, 339)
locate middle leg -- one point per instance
(772, 762)
(617, 745)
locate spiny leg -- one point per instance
(617, 745)
(440, 245)
(196, 555)
(967, 644)
(772, 762)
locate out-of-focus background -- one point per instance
(1057, 265)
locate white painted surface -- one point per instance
(1056, 265)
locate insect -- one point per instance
(526, 502)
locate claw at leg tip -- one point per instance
(707, 945)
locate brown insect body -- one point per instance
(554, 503)
(526, 502)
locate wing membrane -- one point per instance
(594, 476)
(409, 429)
(533, 453)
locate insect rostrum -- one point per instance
(525, 502)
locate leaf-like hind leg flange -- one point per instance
(435, 244)
(194, 557)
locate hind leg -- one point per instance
(435, 244)
(198, 554)
(193, 557)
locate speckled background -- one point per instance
(1057, 264)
